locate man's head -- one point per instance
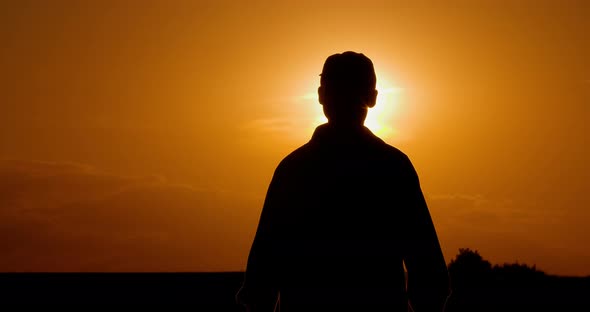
(347, 87)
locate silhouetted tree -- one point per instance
(469, 269)
(471, 281)
(518, 274)
(479, 286)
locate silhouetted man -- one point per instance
(343, 214)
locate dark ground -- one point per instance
(215, 291)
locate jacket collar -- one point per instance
(328, 133)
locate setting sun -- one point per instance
(380, 117)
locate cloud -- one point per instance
(72, 217)
(293, 116)
(276, 125)
(481, 213)
(57, 216)
(505, 230)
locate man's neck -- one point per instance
(346, 126)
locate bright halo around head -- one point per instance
(380, 117)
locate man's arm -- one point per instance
(428, 279)
(260, 290)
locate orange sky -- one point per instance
(142, 136)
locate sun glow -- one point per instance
(380, 117)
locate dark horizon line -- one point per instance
(96, 273)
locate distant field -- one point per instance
(216, 291)
(213, 290)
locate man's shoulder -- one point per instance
(298, 155)
(378, 147)
(389, 151)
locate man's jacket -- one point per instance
(343, 214)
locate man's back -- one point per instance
(342, 214)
